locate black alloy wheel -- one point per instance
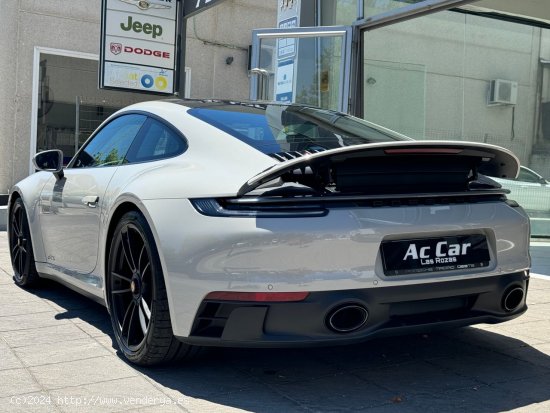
(137, 297)
(21, 252)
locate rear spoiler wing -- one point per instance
(492, 160)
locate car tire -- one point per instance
(137, 298)
(20, 244)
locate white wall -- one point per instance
(219, 33)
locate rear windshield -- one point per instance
(278, 128)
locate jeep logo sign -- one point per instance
(154, 30)
(141, 26)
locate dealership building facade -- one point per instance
(430, 69)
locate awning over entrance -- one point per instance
(529, 9)
(386, 12)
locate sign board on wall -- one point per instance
(286, 48)
(288, 17)
(138, 45)
(285, 81)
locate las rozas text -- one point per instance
(432, 261)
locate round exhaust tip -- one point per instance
(513, 298)
(347, 318)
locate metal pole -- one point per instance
(262, 83)
(181, 43)
(77, 125)
(357, 69)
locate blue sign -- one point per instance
(284, 87)
(287, 47)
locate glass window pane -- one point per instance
(455, 76)
(110, 145)
(280, 128)
(526, 175)
(156, 142)
(70, 106)
(341, 12)
(345, 12)
(301, 70)
(374, 7)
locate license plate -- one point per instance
(461, 252)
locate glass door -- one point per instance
(302, 65)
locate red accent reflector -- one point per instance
(417, 151)
(259, 297)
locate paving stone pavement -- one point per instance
(57, 354)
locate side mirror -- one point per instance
(51, 161)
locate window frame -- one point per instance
(70, 165)
(148, 116)
(145, 128)
(529, 172)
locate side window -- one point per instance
(110, 145)
(156, 141)
(527, 176)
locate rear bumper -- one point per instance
(391, 311)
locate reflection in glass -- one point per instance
(341, 12)
(454, 76)
(374, 7)
(70, 106)
(310, 73)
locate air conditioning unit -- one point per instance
(503, 92)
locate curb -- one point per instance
(3, 217)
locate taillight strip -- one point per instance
(421, 151)
(257, 296)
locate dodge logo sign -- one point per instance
(146, 52)
(116, 48)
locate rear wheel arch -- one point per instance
(158, 344)
(120, 211)
(13, 197)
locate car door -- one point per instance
(71, 207)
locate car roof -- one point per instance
(226, 103)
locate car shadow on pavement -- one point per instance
(74, 306)
(463, 369)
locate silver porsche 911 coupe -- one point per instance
(221, 223)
